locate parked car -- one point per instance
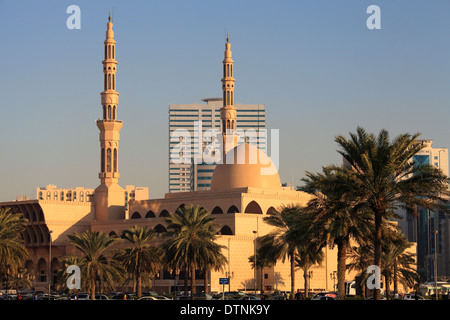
(278, 297)
(122, 296)
(320, 295)
(411, 296)
(80, 296)
(154, 298)
(249, 298)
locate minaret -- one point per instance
(228, 111)
(109, 196)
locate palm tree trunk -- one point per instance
(305, 276)
(292, 273)
(261, 277)
(342, 255)
(388, 289)
(377, 248)
(186, 276)
(395, 277)
(192, 282)
(206, 280)
(92, 286)
(138, 284)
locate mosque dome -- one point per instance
(246, 166)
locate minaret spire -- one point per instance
(228, 111)
(109, 194)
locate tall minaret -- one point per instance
(109, 196)
(228, 111)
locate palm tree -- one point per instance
(141, 258)
(308, 256)
(398, 264)
(261, 263)
(384, 174)
(361, 257)
(336, 217)
(191, 244)
(290, 231)
(94, 264)
(62, 276)
(12, 250)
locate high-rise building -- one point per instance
(191, 176)
(421, 229)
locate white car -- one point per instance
(154, 298)
(249, 298)
(412, 297)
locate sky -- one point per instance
(318, 68)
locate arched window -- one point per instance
(106, 56)
(103, 160)
(108, 160)
(150, 214)
(62, 195)
(40, 195)
(109, 81)
(228, 70)
(231, 97)
(271, 210)
(226, 231)
(49, 195)
(113, 52)
(160, 229)
(81, 196)
(232, 209)
(164, 213)
(180, 207)
(114, 82)
(109, 112)
(105, 86)
(217, 210)
(253, 207)
(55, 195)
(115, 160)
(135, 215)
(114, 113)
(109, 52)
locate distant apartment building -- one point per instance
(80, 194)
(191, 175)
(52, 192)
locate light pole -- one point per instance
(49, 261)
(254, 256)
(333, 276)
(229, 275)
(310, 275)
(435, 263)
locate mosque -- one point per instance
(242, 193)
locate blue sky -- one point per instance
(314, 64)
